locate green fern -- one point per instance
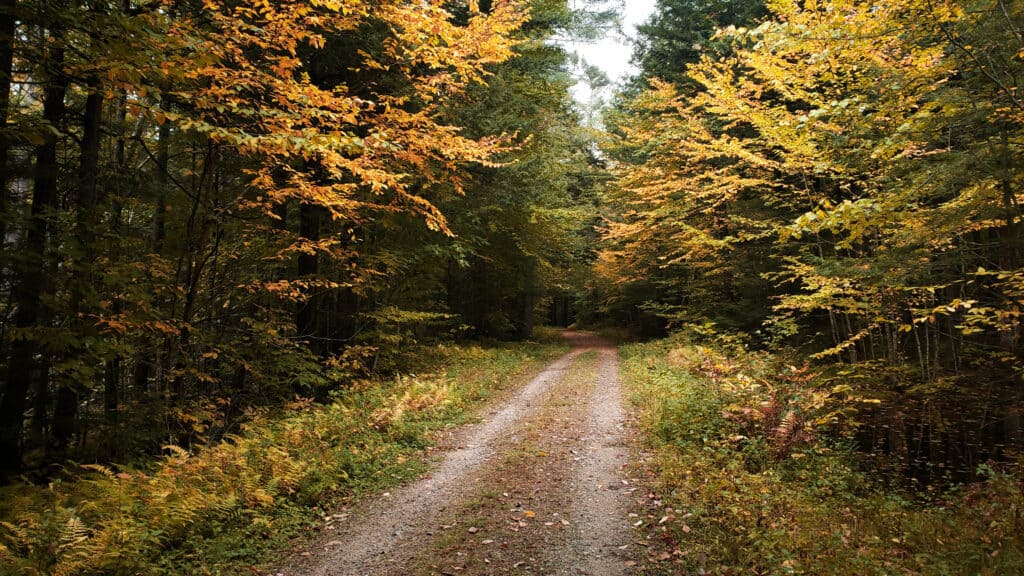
(74, 533)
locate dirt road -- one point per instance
(537, 487)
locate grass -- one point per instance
(756, 479)
(227, 507)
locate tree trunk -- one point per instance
(163, 155)
(8, 22)
(30, 282)
(527, 300)
(143, 368)
(65, 412)
(1009, 333)
(112, 374)
(310, 220)
(7, 29)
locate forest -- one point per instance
(253, 253)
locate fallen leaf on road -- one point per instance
(529, 513)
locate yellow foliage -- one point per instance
(416, 395)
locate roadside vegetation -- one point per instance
(839, 186)
(219, 509)
(758, 473)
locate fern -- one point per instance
(176, 450)
(74, 533)
(98, 468)
(17, 536)
(125, 523)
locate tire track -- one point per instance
(601, 531)
(389, 530)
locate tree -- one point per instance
(681, 32)
(862, 150)
(174, 152)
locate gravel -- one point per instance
(385, 532)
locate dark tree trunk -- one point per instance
(1009, 334)
(163, 156)
(112, 374)
(7, 27)
(65, 412)
(310, 221)
(8, 21)
(88, 202)
(527, 301)
(143, 368)
(30, 283)
(65, 420)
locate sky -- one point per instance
(612, 53)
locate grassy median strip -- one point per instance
(224, 508)
(750, 479)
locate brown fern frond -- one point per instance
(98, 468)
(176, 450)
(17, 536)
(781, 438)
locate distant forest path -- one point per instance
(538, 486)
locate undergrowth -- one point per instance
(757, 478)
(224, 508)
